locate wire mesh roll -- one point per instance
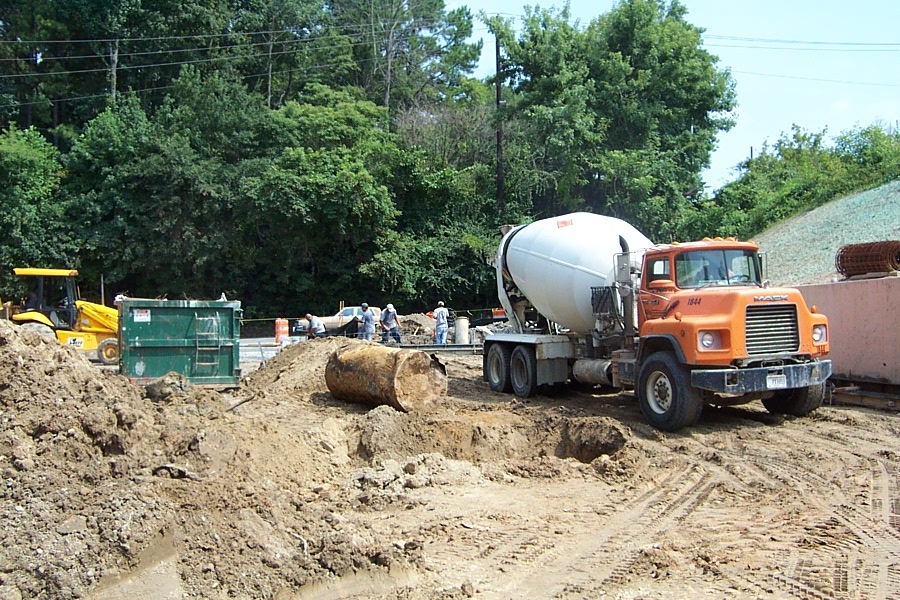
(871, 257)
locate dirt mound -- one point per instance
(296, 369)
(79, 445)
(113, 490)
(279, 491)
(417, 323)
(100, 476)
(417, 329)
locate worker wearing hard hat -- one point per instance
(368, 323)
(390, 324)
(441, 324)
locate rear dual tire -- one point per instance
(511, 369)
(496, 367)
(523, 371)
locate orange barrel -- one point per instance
(281, 330)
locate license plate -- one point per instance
(776, 382)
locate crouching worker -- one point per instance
(316, 326)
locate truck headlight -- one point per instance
(709, 340)
(820, 334)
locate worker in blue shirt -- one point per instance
(368, 323)
(390, 324)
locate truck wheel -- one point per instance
(496, 367)
(523, 371)
(665, 394)
(108, 351)
(797, 402)
(44, 331)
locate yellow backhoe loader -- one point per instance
(54, 308)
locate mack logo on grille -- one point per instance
(770, 298)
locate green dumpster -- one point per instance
(200, 340)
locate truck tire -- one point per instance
(523, 371)
(496, 367)
(665, 394)
(108, 351)
(797, 402)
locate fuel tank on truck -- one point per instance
(555, 262)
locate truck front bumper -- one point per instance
(761, 379)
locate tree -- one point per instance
(158, 193)
(444, 231)
(34, 226)
(309, 219)
(626, 111)
(407, 50)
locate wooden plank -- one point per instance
(855, 396)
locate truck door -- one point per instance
(657, 278)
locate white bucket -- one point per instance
(462, 330)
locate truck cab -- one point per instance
(705, 307)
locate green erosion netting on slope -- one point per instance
(802, 249)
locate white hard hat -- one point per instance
(390, 306)
(440, 302)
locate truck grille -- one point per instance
(772, 329)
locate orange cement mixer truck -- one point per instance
(591, 299)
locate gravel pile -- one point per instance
(802, 249)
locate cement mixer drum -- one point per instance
(555, 263)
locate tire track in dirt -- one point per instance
(599, 552)
(527, 561)
(851, 551)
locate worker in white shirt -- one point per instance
(316, 326)
(441, 324)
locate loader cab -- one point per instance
(52, 295)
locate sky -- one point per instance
(819, 64)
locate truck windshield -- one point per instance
(717, 267)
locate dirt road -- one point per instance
(115, 492)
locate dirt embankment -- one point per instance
(112, 491)
(802, 249)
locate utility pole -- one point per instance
(500, 207)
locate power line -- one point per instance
(731, 38)
(896, 85)
(195, 61)
(419, 23)
(817, 49)
(230, 48)
(105, 94)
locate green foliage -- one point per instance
(310, 222)
(406, 52)
(295, 154)
(798, 173)
(443, 233)
(623, 114)
(33, 226)
(157, 193)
